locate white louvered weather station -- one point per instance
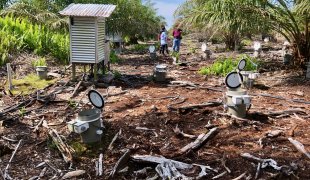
(87, 34)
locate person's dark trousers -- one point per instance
(164, 48)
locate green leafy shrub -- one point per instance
(114, 58)
(39, 62)
(222, 66)
(117, 74)
(246, 42)
(139, 47)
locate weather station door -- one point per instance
(83, 39)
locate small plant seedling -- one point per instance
(176, 55)
(72, 103)
(193, 50)
(117, 74)
(79, 148)
(51, 144)
(22, 111)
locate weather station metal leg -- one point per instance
(95, 72)
(73, 72)
(84, 69)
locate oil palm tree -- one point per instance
(233, 17)
(37, 14)
(291, 19)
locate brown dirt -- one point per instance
(141, 106)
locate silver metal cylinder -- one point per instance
(236, 110)
(93, 118)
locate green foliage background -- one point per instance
(19, 34)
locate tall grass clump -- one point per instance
(18, 34)
(223, 65)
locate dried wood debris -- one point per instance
(201, 139)
(6, 170)
(73, 174)
(171, 169)
(121, 163)
(300, 147)
(63, 147)
(181, 133)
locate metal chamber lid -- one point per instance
(161, 66)
(241, 64)
(233, 80)
(96, 99)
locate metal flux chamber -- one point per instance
(89, 123)
(160, 72)
(152, 51)
(237, 100)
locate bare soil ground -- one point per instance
(145, 104)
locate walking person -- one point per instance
(177, 35)
(163, 41)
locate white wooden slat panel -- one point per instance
(83, 46)
(101, 39)
(83, 40)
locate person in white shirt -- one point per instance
(163, 41)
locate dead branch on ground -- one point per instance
(300, 147)
(194, 106)
(76, 89)
(202, 138)
(181, 133)
(6, 170)
(120, 163)
(114, 139)
(240, 177)
(220, 175)
(61, 145)
(265, 162)
(73, 174)
(286, 112)
(161, 159)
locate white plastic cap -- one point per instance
(237, 100)
(247, 99)
(257, 45)
(99, 132)
(253, 75)
(152, 49)
(204, 47)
